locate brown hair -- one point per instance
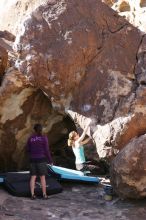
(71, 138)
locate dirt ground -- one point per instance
(76, 202)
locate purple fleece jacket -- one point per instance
(38, 147)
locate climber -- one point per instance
(77, 143)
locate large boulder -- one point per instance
(85, 49)
(86, 61)
(128, 170)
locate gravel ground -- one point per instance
(76, 202)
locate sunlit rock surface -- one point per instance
(128, 170)
(13, 12)
(133, 11)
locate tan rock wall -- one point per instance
(21, 107)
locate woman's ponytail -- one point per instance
(70, 141)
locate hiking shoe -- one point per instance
(45, 197)
(33, 197)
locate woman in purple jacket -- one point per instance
(38, 149)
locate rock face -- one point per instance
(133, 11)
(3, 60)
(80, 53)
(128, 170)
